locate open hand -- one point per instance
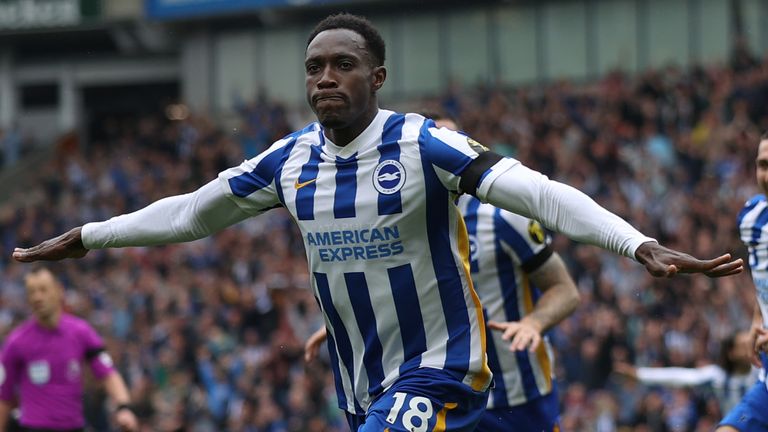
(67, 245)
(661, 261)
(522, 334)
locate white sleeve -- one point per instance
(680, 377)
(514, 187)
(174, 219)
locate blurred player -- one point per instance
(730, 379)
(752, 413)
(42, 362)
(525, 289)
(372, 193)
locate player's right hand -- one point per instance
(312, 347)
(521, 335)
(67, 245)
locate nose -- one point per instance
(327, 78)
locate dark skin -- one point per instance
(341, 84)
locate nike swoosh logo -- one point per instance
(298, 185)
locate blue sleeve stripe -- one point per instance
(263, 174)
(359, 296)
(509, 235)
(305, 197)
(441, 154)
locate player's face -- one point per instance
(762, 166)
(44, 294)
(341, 80)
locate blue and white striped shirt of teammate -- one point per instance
(502, 245)
(753, 230)
(387, 247)
(751, 414)
(506, 250)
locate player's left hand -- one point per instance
(661, 261)
(126, 420)
(523, 334)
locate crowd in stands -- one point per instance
(209, 335)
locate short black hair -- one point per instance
(359, 25)
(439, 115)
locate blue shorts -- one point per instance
(751, 414)
(540, 414)
(424, 400)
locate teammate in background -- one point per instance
(730, 379)
(751, 414)
(525, 289)
(372, 193)
(42, 362)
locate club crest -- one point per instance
(389, 177)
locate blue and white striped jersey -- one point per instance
(753, 230)
(387, 248)
(504, 248)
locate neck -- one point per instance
(344, 136)
(50, 321)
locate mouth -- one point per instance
(328, 98)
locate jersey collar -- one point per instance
(371, 134)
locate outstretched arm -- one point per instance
(170, 220)
(514, 187)
(559, 300)
(118, 392)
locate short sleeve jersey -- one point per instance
(505, 247)
(42, 370)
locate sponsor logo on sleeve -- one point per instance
(476, 146)
(536, 232)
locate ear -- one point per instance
(379, 76)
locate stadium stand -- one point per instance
(209, 335)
